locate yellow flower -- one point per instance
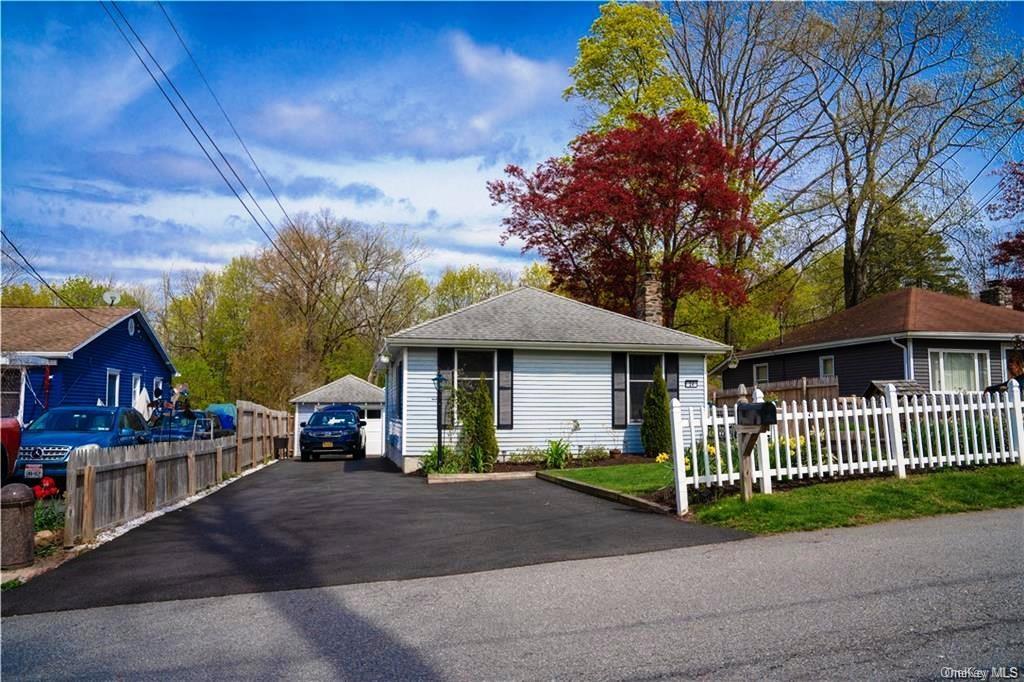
(662, 458)
(711, 449)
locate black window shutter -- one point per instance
(672, 374)
(505, 388)
(619, 416)
(446, 366)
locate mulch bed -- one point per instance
(612, 460)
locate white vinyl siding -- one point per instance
(552, 389)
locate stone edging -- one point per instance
(476, 478)
(598, 491)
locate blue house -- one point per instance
(84, 356)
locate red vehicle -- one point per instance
(10, 437)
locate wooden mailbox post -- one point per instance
(752, 419)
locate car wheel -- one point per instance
(4, 473)
(304, 456)
(360, 453)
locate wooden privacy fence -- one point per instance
(805, 388)
(111, 486)
(850, 436)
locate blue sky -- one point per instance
(393, 114)
(390, 114)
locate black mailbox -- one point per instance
(755, 414)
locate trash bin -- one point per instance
(17, 525)
(281, 446)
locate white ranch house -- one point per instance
(557, 368)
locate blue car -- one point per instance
(334, 429)
(47, 443)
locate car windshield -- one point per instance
(74, 420)
(332, 419)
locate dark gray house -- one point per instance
(943, 342)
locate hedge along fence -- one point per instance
(109, 487)
(848, 437)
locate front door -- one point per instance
(113, 384)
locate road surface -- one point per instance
(902, 599)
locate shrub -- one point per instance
(588, 456)
(450, 463)
(478, 441)
(656, 431)
(557, 455)
(529, 456)
(48, 515)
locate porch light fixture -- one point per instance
(439, 382)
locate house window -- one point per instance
(826, 366)
(641, 370)
(136, 387)
(472, 367)
(113, 387)
(957, 370)
(761, 374)
(10, 392)
(158, 387)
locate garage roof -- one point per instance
(347, 389)
(532, 317)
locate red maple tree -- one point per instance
(658, 196)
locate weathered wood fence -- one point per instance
(111, 486)
(805, 388)
(850, 437)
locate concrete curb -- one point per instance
(613, 495)
(477, 478)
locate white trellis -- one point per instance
(850, 436)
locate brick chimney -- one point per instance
(649, 298)
(997, 293)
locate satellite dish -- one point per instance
(111, 297)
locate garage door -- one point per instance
(374, 426)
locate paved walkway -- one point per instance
(899, 600)
(312, 524)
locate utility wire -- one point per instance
(35, 273)
(198, 142)
(209, 137)
(227, 118)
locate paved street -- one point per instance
(901, 599)
(336, 522)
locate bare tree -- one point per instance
(905, 89)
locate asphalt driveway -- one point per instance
(313, 524)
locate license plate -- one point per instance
(328, 444)
(33, 471)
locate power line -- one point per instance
(227, 118)
(35, 273)
(209, 137)
(197, 141)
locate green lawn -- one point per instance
(831, 505)
(632, 479)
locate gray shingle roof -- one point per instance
(348, 389)
(532, 316)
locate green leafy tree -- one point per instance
(478, 441)
(622, 68)
(656, 431)
(460, 287)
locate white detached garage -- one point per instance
(354, 391)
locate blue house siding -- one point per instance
(82, 379)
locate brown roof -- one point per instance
(899, 312)
(54, 330)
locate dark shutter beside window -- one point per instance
(505, 388)
(672, 374)
(619, 417)
(446, 365)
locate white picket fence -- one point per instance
(849, 436)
